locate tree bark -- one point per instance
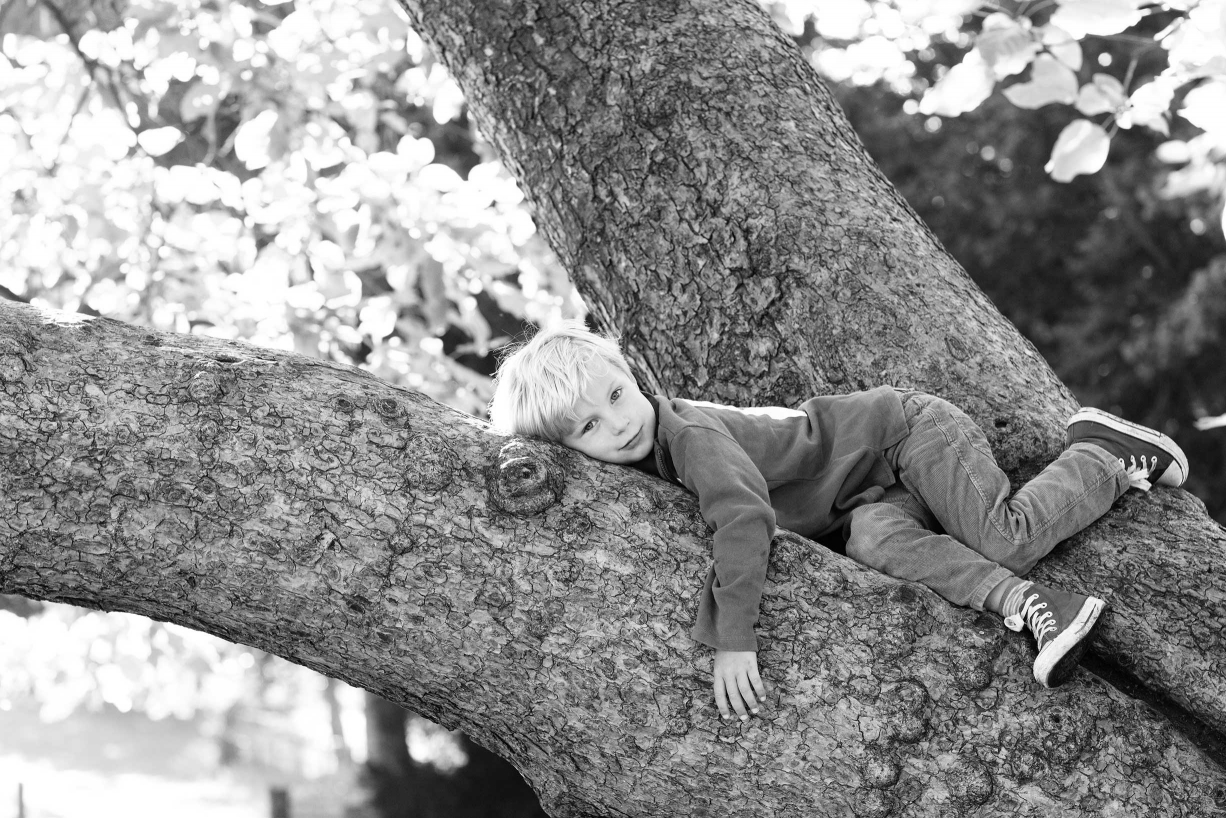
(539, 600)
(713, 204)
(710, 200)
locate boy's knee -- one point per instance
(869, 528)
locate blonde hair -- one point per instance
(540, 382)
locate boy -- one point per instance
(907, 477)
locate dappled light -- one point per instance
(305, 176)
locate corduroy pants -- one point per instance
(951, 523)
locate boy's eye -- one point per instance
(617, 393)
(587, 427)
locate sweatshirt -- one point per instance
(756, 469)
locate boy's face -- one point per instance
(615, 422)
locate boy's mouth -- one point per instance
(633, 440)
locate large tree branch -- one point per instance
(537, 599)
(713, 204)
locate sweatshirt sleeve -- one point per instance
(735, 502)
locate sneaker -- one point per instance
(1148, 456)
(1062, 623)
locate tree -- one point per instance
(745, 218)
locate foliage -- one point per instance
(298, 175)
(1176, 66)
(65, 659)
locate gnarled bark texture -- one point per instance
(713, 205)
(537, 599)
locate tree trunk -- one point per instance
(714, 205)
(386, 747)
(539, 600)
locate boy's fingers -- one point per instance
(721, 699)
(746, 692)
(738, 706)
(758, 685)
(734, 698)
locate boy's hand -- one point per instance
(737, 684)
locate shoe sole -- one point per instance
(1057, 662)
(1178, 459)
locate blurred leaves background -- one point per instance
(304, 175)
(299, 175)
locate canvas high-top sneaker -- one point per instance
(1146, 454)
(1062, 623)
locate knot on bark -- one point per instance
(430, 464)
(205, 387)
(575, 527)
(12, 367)
(525, 479)
(957, 347)
(973, 649)
(308, 551)
(879, 768)
(1150, 738)
(343, 404)
(1065, 731)
(874, 804)
(969, 782)
(893, 624)
(1218, 796)
(390, 410)
(907, 705)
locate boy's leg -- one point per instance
(896, 537)
(947, 463)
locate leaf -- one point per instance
(1103, 95)
(1174, 152)
(962, 89)
(1081, 148)
(1063, 46)
(327, 255)
(1205, 107)
(1101, 17)
(157, 141)
(252, 139)
(1050, 81)
(1207, 423)
(419, 152)
(1148, 105)
(378, 317)
(1006, 44)
(439, 177)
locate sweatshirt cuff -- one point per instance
(731, 642)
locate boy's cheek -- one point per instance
(591, 450)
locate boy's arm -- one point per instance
(735, 502)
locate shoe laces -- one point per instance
(1139, 473)
(1034, 614)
